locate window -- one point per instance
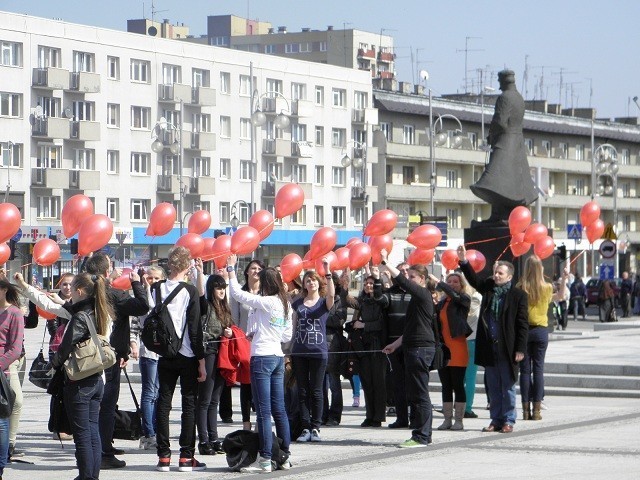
(298, 133)
(337, 176)
(201, 206)
(11, 54)
(563, 150)
(140, 163)
(113, 209)
(319, 95)
(11, 154)
(338, 137)
(626, 223)
(299, 173)
(528, 145)
(579, 152)
(339, 97)
(389, 174)
(299, 217)
(113, 115)
(113, 68)
(84, 62)
(274, 85)
(580, 187)
(84, 110)
(48, 207)
(84, 159)
(274, 170)
(49, 156)
(113, 161)
(452, 217)
(140, 71)
(360, 100)
(225, 168)
(225, 83)
(139, 209)
(141, 118)
(50, 106)
(626, 189)
(201, 167)
(171, 74)
(408, 175)
(170, 165)
(338, 216)
(358, 216)
(225, 207)
(10, 104)
(298, 91)
(305, 47)
(270, 49)
(200, 78)
(473, 138)
(323, 46)
(48, 57)
(452, 179)
(291, 47)
(408, 134)
(318, 215)
(245, 85)
(318, 178)
(546, 148)
(201, 122)
(225, 127)
(245, 170)
(220, 41)
(385, 128)
(625, 156)
(245, 128)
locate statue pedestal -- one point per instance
(494, 241)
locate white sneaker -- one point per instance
(261, 465)
(148, 443)
(305, 436)
(286, 465)
(315, 436)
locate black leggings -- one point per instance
(452, 380)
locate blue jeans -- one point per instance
(107, 417)
(267, 386)
(82, 402)
(149, 396)
(470, 375)
(4, 443)
(417, 361)
(532, 387)
(502, 392)
(355, 385)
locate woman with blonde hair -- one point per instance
(540, 294)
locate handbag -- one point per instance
(442, 354)
(41, 371)
(128, 425)
(7, 396)
(90, 356)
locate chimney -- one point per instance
(282, 29)
(166, 20)
(330, 28)
(271, 30)
(306, 29)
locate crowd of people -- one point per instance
(287, 346)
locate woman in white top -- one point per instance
(269, 324)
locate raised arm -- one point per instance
(41, 299)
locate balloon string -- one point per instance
(577, 257)
(487, 240)
(503, 251)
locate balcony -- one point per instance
(302, 149)
(84, 179)
(85, 82)
(168, 184)
(202, 186)
(50, 177)
(362, 53)
(51, 127)
(274, 105)
(386, 57)
(199, 140)
(203, 96)
(357, 115)
(174, 93)
(85, 131)
(268, 189)
(385, 75)
(418, 192)
(302, 108)
(276, 146)
(357, 193)
(50, 78)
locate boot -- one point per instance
(526, 410)
(536, 411)
(459, 415)
(447, 411)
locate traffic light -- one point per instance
(218, 233)
(12, 246)
(73, 246)
(562, 252)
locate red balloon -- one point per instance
(245, 240)
(307, 261)
(342, 259)
(449, 259)
(10, 221)
(421, 256)
(192, 242)
(95, 232)
(221, 250)
(589, 213)
(323, 241)
(45, 314)
(544, 247)
(289, 199)
(162, 219)
(595, 230)
(206, 254)
(46, 252)
(359, 256)
(425, 236)
(377, 244)
(519, 219)
(199, 222)
(123, 282)
(5, 253)
(518, 246)
(476, 260)
(381, 222)
(75, 211)
(534, 232)
(353, 241)
(262, 221)
(331, 257)
(290, 267)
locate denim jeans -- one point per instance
(532, 388)
(267, 385)
(332, 392)
(417, 361)
(4, 443)
(399, 385)
(502, 391)
(355, 385)
(149, 396)
(470, 375)
(82, 402)
(209, 393)
(108, 407)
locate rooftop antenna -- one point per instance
(466, 58)
(525, 77)
(419, 63)
(635, 100)
(562, 72)
(590, 90)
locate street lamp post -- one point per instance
(9, 160)
(358, 162)
(176, 148)
(606, 168)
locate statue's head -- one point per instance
(506, 77)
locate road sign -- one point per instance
(607, 249)
(17, 236)
(574, 231)
(606, 272)
(609, 233)
(230, 230)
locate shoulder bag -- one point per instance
(41, 371)
(128, 425)
(443, 354)
(90, 356)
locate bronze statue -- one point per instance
(506, 181)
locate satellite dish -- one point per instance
(68, 113)
(424, 75)
(153, 31)
(37, 111)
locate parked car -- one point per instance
(593, 287)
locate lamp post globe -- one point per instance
(282, 121)
(157, 146)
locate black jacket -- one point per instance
(77, 331)
(372, 312)
(398, 303)
(418, 327)
(211, 327)
(124, 306)
(457, 311)
(335, 334)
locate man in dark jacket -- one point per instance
(626, 287)
(124, 306)
(501, 338)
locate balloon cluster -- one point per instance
(524, 234)
(590, 219)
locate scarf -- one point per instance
(499, 291)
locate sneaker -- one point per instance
(13, 453)
(411, 443)
(543, 406)
(315, 436)
(216, 445)
(470, 414)
(332, 423)
(305, 436)
(356, 402)
(190, 465)
(205, 448)
(110, 461)
(148, 443)
(261, 465)
(286, 465)
(164, 464)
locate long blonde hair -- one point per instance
(532, 280)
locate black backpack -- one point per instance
(158, 333)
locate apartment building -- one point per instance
(81, 106)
